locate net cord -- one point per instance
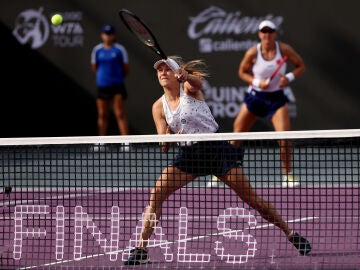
(342, 133)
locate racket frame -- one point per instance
(282, 61)
(154, 44)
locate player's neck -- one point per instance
(268, 51)
(172, 94)
(108, 45)
(268, 46)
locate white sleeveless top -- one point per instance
(262, 69)
(192, 116)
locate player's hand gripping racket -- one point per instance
(145, 35)
(279, 65)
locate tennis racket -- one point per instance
(139, 28)
(279, 65)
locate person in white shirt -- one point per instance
(266, 99)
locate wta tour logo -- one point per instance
(33, 27)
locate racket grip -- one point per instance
(172, 64)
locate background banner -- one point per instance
(48, 88)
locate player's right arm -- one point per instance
(93, 60)
(93, 67)
(160, 122)
(245, 67)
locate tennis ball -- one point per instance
(56, 19)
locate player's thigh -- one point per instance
(236, 179)
(281, 119)
(244, 120)
(172, 179)
(118, 103)
(239, 182)
(103, 106)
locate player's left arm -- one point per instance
(295, 60)
(126, 69)
(123, 58)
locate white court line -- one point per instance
(94, 191)
(157, 245)
(90, 192)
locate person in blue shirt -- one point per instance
(110, 63)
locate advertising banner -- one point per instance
(47, 67)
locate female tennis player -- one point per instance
(182, 109)
(266, 99)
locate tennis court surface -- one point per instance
(70, 203)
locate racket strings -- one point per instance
(140, 30)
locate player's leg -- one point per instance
(120, 114)
(281, 122)
(103, 113)
(169, 181)
(121, 118)
(243, 121)
(103, 109)
(239, 182)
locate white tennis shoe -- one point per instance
(125, 147)
(98, 147)
(214, 182)
(289, 181)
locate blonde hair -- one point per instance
(196, 67)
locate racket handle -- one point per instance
(172, 64)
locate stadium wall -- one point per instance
(48, 88)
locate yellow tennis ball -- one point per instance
(56, 19)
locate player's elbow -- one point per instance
(126, 69)
(242, 75)
(300, 67)
(300, 70)
(303, 69)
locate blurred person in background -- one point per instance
(110, 63)
(265, 98)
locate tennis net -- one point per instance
(79, 202)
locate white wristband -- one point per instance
(290, 76)
(256, 82)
